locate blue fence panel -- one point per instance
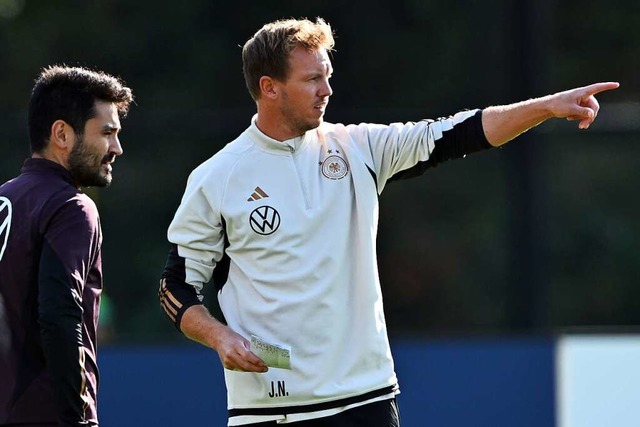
(161, 387)
(477, 382)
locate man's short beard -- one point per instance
(296, 123)
(85, 166)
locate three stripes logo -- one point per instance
(258, 194)
(169, 303)
(264, 220)
(5, 223)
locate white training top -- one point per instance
(300, 218)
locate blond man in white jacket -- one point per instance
(285, 217)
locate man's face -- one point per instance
(96, 149)
(306, 92)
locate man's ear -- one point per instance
(268, 87)
(62, 135)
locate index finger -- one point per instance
(601, 87)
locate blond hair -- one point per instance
(267, 52)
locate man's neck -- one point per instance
(51, 156)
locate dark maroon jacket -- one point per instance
(50, 286)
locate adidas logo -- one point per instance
(258, 194)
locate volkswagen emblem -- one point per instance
(264, 220)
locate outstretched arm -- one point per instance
(503, 123)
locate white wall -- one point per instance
(598, 379)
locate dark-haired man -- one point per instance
(50, 249)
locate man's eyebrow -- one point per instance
(110, 127)
(320, 73)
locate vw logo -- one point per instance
(5, 223)
(264, 220)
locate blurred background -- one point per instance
(534, 239)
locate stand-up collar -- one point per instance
(270, 144)
(38, 165)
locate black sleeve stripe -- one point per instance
(174, 268)
(175, 294)
(221, 272)
(373, 176)
(465, 138)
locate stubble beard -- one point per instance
(297, 124)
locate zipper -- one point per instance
(303, 188)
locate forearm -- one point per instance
(182, 304)
(60, 318)
(503, 123)
(65, 364)
(199, 325)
